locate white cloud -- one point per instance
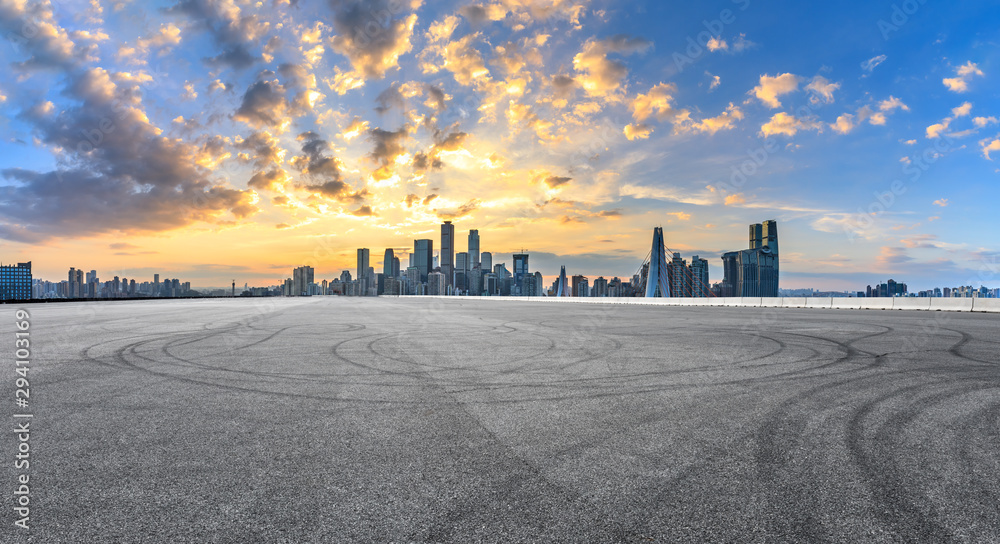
(639, 131)
(871, 63)
(821, 90)
(892, 103)
(943, 202)
(789, 125)
(965, 73)
(770, 88)
(990, 146)
(716, 81)
(962, 110)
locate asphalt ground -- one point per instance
(331, 419)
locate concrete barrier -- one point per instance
(750, 302)
(819, 302)
(793, 302)
(986, 305)
(845, 303)
(911, 303)
(876, 303)
(952, 304)
(732, 302)
(770, 302)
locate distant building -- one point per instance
(700, 286)
(473, 248)
(753, 272)
(448, 251)
(15, 281)
(387, 261)
(363, 264)
(436, 284)
(423, 257)
(520, 271)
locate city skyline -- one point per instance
(568, 127)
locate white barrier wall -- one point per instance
(903, 303)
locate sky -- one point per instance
(220, 140)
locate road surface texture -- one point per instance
(332, 419)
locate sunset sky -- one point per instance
(212, 140)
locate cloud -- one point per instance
(872, 63)
(655, 102)
(789, 125)
(891, 257)
(639, 131)
(844, 124)
(935, 130)
(599, 75)
(821, 90)
(965, 73)
(770, 88)
(232, 30)
(556, 181)
(962, 111)
(264, 105)
(717, 44)
(716, 81)
(735, 199)
(371, 36)
(988, 146)
(724, 121)
(943, 202)
(460, 212)
(891, 104)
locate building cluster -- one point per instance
(893, 289)
(753, 272)
(80, 284)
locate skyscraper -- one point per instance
(363, 257)
(562, 287)
(473, 248)
(395, 267)
(423, 257)
(753, 272)
(387, 264)
(448, 251)
(520, 271)
(461, 271)
(487, 262)
(699, 277)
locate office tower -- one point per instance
(423, 257)
(487, 262)
(156, 285)
(72, 290)
(363, 258)
(15, 281)
(699, 278)
(579, 286)
(461, 280)
(491, 285)
(448, 251)
(562, 287)
(679, 276)
(753, 272)
(657, 278)
(520, 271)
(345, 276)
(395, 267)
(473, 248)
(387, 263)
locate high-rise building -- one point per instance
(15, 281)
(387, 264)
(487, 262)
(395, 267)
(302, 279)
(753, 272)
(580, 287)
(679, 276)
(363, 258)
(423, 257)
(473, 248)
(520, 271)
(600, 288)
(448, 251)
(700, 286)
(562, 284)
(436, 284)
(461, 279)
